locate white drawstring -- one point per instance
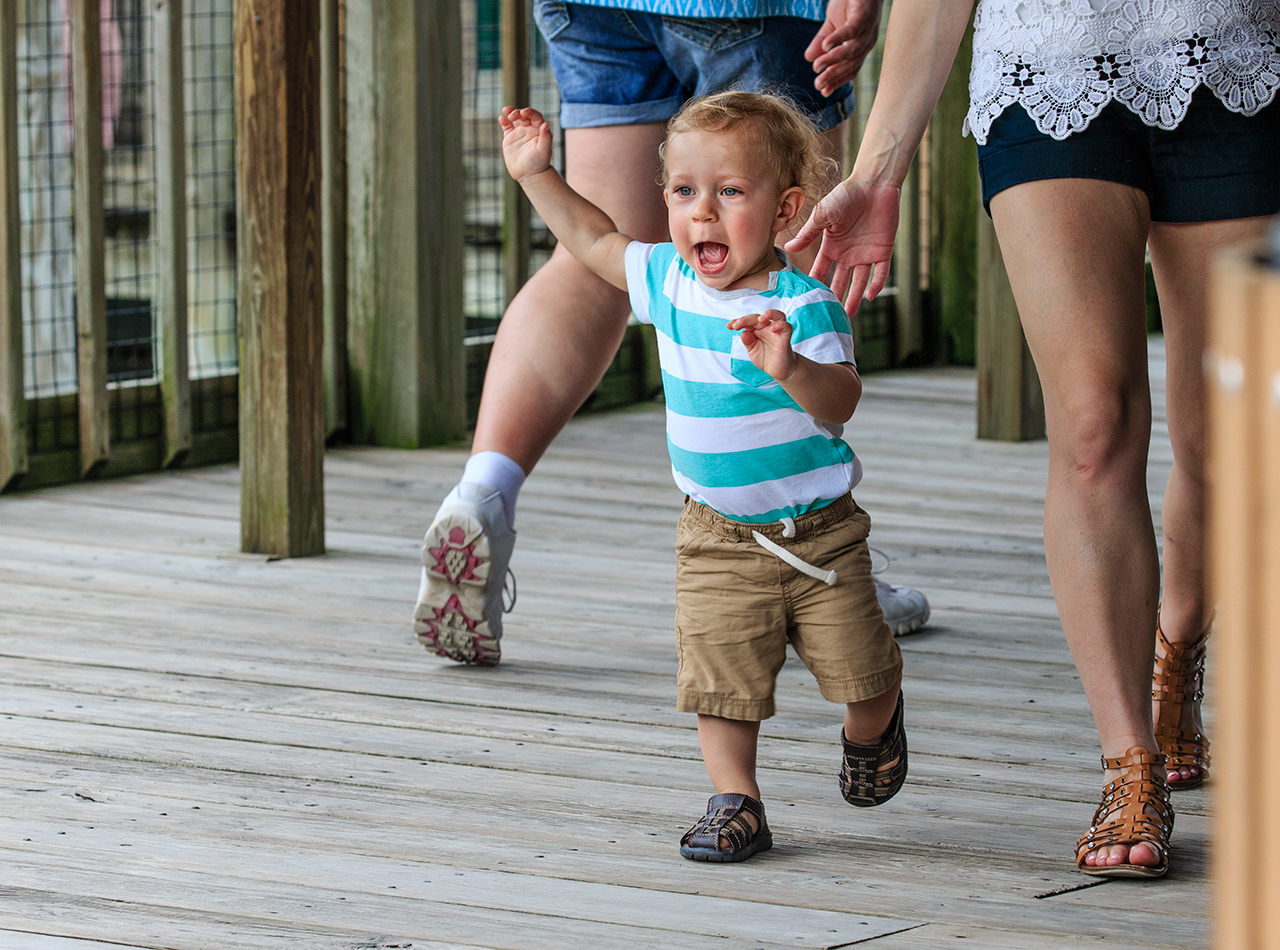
(804, 567)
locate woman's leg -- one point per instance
(1181, 256)
(1074, 252)
(560, 332)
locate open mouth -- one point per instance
(712, 257)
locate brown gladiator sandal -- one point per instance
(1179, 679)
(1123, 816)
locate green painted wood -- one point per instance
(1010, 401)
(953, 209)
(405, 193)
(280, 297)
(333, 188)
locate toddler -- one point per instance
(757, 368)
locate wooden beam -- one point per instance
(405, 188)
(91, 295)
(908, 304)
(517, 214)
(954, 206)
(1244, 804)
(280, 297)
(333, 201)
(1010, 401)
(171, 228)
(13, 401)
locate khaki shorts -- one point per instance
(737, 605)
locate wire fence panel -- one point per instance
(211, 211)
(129, 187)
(47, 202)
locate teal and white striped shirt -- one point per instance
(720, 9)
(738, 442)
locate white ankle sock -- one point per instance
(501, 474)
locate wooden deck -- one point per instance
(207, 750)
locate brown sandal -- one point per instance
(1179, 679)
(1123, 817)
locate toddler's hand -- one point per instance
(526, 141)
(767, 337)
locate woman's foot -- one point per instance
(1129, 835)
(1176, 691)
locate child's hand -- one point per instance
(767, 337)
(526, 141)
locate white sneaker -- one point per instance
(464, 568)
(905, 608)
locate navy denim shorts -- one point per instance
(1217, 165)
(624, 67)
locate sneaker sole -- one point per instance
(449, 618)
(910, 624)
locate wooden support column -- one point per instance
(405, 190)
(171, 229)
(1243, 470)
(516, 211)
(333, 190)
(908, 304)
(1010, 402)
(91, 295)
(954, 206)
(280, 298)
(13, 401)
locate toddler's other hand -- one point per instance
(767, 337)
(526, 141)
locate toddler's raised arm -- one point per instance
(586, 232)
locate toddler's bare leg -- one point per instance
(729, 752)
(866, 721)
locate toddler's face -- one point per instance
(724, 208)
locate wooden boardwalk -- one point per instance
(206, 750)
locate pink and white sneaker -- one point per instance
(464, 569)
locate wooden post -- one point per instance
(280, 297)
(954, 206)
(333, 186)
(908, 304)
(516, 211)
(405, 188)
(171, 228)
(1010, 402)
(13, 401)
(1243, 384)
(91, 294)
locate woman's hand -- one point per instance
(857, 222)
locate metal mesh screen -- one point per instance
(46, 200)
(209, 31)
(129, 188)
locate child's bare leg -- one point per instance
(729, 753)
(865, 722)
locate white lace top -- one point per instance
(1064, 60)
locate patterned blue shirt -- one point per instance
(720, 9)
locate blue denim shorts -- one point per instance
(624, 67)
(1217, 165)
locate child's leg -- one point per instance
(729, 753)
(865, 722)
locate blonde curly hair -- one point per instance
(790, 142)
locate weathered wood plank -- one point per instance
(280, 295)
(333, 201)
(91, 294)
(13, 401)
(171, 229)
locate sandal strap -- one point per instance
(724, 819)
(865, 765)
(1135, 809)
(1178, 675)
